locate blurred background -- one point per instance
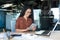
(45, 13)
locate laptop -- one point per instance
(45, 32)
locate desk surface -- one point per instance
(54, 35)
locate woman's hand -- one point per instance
(24, 30)
(33, 28)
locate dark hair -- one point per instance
(24, 10)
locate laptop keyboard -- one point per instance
(46, 32)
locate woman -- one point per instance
(24, 21)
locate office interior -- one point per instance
(45, 13)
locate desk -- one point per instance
(54, 36)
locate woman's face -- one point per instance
(27, 12)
